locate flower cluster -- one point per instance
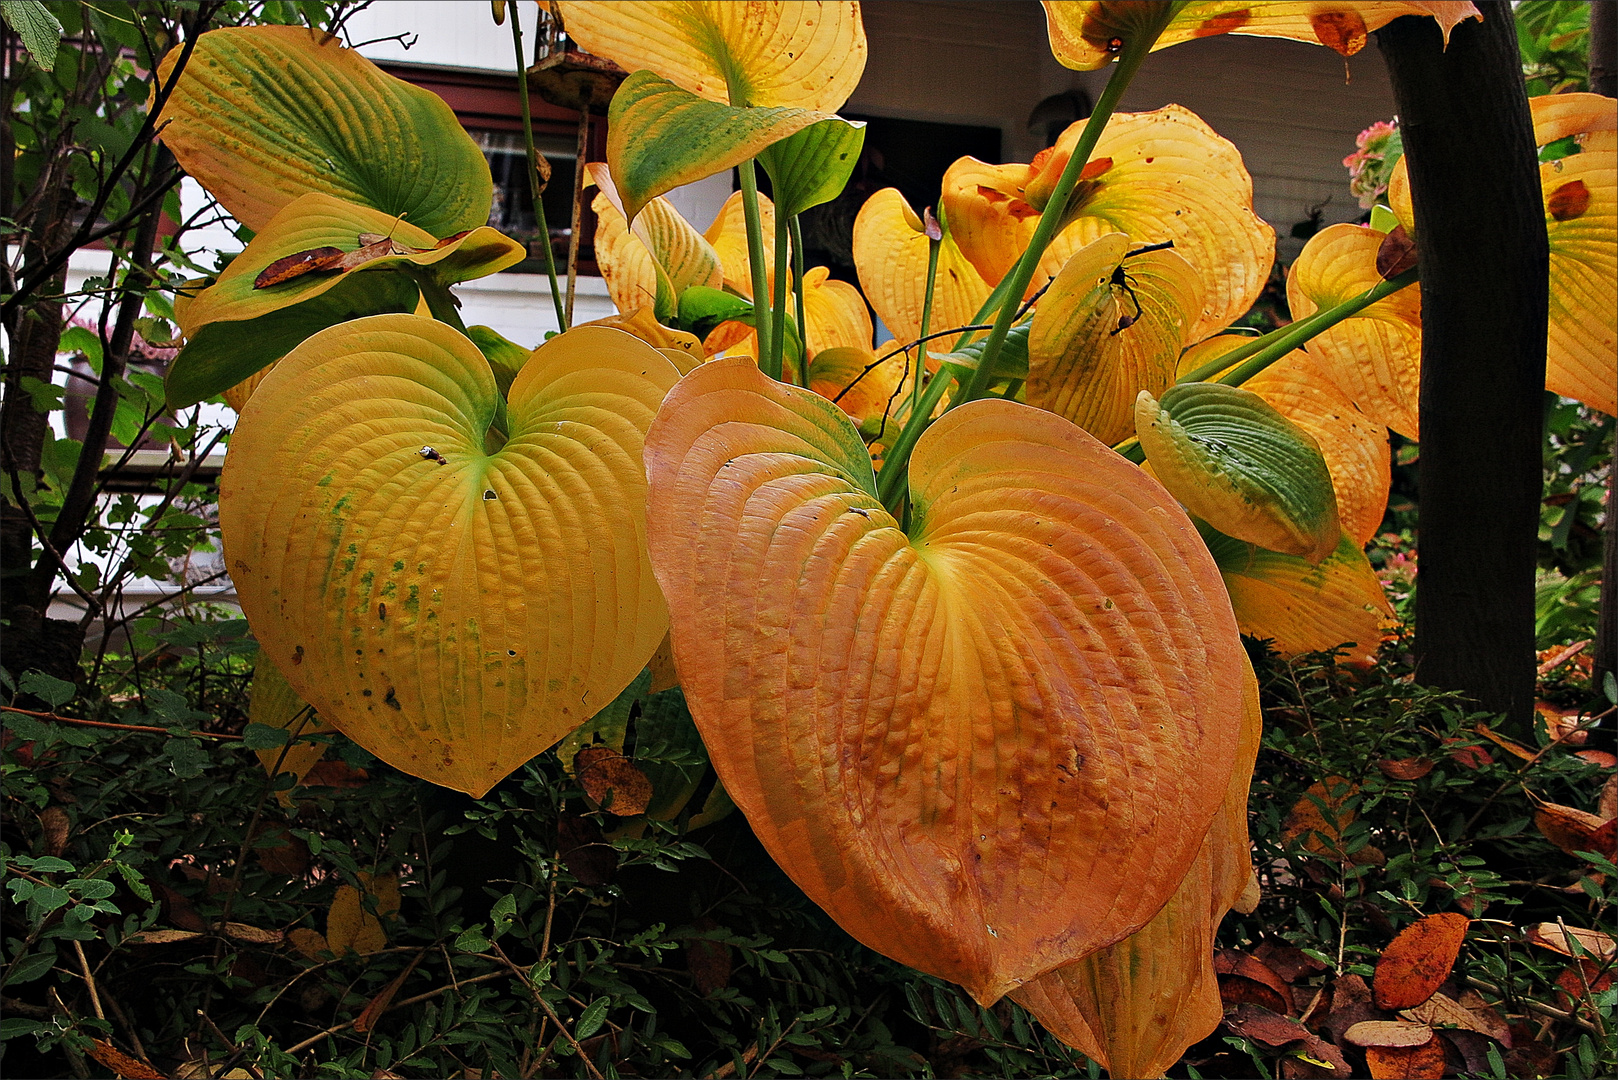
(1378, 149)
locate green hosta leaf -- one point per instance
(262, 115)
(666, 723)
(813, 166)
(1233, 460)
(1013, 360)
(610, 725)
(452, 604)
(703, 308)
(505, 356)
(249, 295)
(659, 136)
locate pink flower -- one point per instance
(1377, 149)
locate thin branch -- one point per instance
(58, 718)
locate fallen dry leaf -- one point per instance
(613, 781)
(337, 774)
(1469, 757)
(1396, 254)
(1442, 1011)
(1405, 768)
(1551, 936)
(1244, 978)
(1601, 758)
(1417, 961)
(1575, 830)
(253, 935)
(126, 1067)
(584, 850)
(1551, 659)
(310, 943)
(1260, 1024)
(54, 825)
(162, 937)
(1288, 961)
(1423, 1062)
(1514, 749)
(1316, 1059)
(1308, 818)
(1388, 1033)
(1607, 805)
(1494, 1025)
(1578, 982)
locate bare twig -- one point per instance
(60, 719)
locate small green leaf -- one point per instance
(812, 166)
(13, 1027)
(186, 758)
(591, 1019)
(263, 736)
(660, 136)
(38, 28)
(472, 941)
(703, 308)
(30, 968)
(53, 691)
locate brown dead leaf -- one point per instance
(1417, 961)
(1494, 1025)
(1562, 722)
(1529, 1057)
(1516, 750)
(314, 260)
(1287, 961)
(1579, 982)
(1245, 978)
(163, 937)
(1468, 757)
(1423, 1062)
(613, 781)
(54, 825)
(310, 943)
(1602, 759)
(1316, 1059)
(1262, 1025)
(1569, 201)
(1442, 1011)
(1607, 805)
(253, 935)
(279, 852)
(1405, 768)
(708, 961)
(584, 851)
(1396, 254)
(1575, 830)
(1320, 816)
(378, 1005)
(1388, 1033)
(337, 774)
(126, 1067)
(1551, 936)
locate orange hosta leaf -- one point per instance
(1137, 1005)
(809, 55)
(265, 114)
(1575, 830)
(834, 313)
(890, 252)
(1233, 460)
(453, 604)
(1086, 34)
(1301, 607)
(1322, 814)
(1097, 343)
(612, 780)
(1556, 116)
(1418, 960)
(989, 215)
(683, 350)
(728, 236)
(1355, 447)
(653, 262)
(1421, 1062)
(874, 394)
(1374, 357)
(1169, 176)
(972, 772)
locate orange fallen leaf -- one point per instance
(121, 1063)
(298, 264)
(1575, 830)
(1470, 757)
(1441, 1010)
(1245, 978)
(1423, 1062)
(162, 937)
(1308, 817)
(311, 943)
(1418, 960)
(1405, 768)
(1262, 1025)
(613, 781)
(1510, 747)
(1580, 981)
(1549, 935)
(1396, 254)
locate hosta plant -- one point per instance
(956, 616)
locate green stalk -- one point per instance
(797, 289)
(755, 262)
(926, 322)
(890, 485)
(778, 318)
(533, 172)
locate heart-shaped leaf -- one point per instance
(989, 214)
(1237, 463)
(813, 166)
(1581, 222)
(652, 263)
(452, 604)
(1099, 340)
(809, 55)
(985, 747)
(1375, 356)
(1087, 34)
(1300, 606)
(890, 253)
(660, 136)
(237, 326)
(1136, 1006)
(834, 313)
(264, 114)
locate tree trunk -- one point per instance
(1604, 80)
(1480, 226)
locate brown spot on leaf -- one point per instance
(1341, 31)
(1569, 201)
(1223, 23)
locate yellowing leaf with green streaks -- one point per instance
(652, 262)
(1234, 461)
(890, 253)
(1098, 340)
(1087, 34)
(660, 136)
(1375, 356)
(807, 55)
(264, 114)
(1304, 608)
(453, 579)
(1136, 1006)
(985, 746)
(238, 325)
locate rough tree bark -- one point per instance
(1480, 225)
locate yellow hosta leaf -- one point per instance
(874, 394)
(1581, 221)
(1087, 34)
(1355, 447)
(262, 115)
(834, 313)
(1556, 116)
(453, 604)
(350, 927)
(1136, 1006)
(751, 52)
(275, 704)
(1304, 608)
(985, 746)
(728, 237)
(1080, 364)
(988, 215)
(1374, 357)
(1166, 175)
(890, 253)
(653, 262)
(683, 350)
(1233, 460)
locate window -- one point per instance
(513, 209)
